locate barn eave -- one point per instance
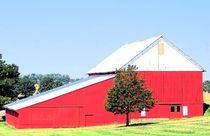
(32, 100)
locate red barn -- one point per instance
(176, 80)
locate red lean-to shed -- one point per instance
(175, 78)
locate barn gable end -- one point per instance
(154, 54)
(163, 57)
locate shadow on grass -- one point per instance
(205, 107)
(139, 124)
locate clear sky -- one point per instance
(71, 37)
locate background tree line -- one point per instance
(58, 77)
(14, 86)
(206, 86)
(32, 84)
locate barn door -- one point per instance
(175, 111)
(51, 117)
(68, 117)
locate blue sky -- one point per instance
(71, 37)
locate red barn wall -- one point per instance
(12, 118)
(175, 87)
(184, 88)
(85, 107)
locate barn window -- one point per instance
(172, 109)
(185, 110)
(178, 108)
(143, 113)
(161, 48)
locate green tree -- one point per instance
(64, 78)
(25, 87)
(4, 100)
(38, 77)
(8, 78)
(129, 93)
(206, 86)
(47, 83)
(57, 83)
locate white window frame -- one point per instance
(185, 110)
(143, 113)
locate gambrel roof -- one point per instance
(145, 55)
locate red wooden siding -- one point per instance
(85, 107)
(175, 87)
(12, 118)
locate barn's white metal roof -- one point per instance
(129, 53)
(122, 56)
(57, 92)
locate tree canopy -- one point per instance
(206, 86)
(8, 78)
(129, 93)
(25, 87)
(38, 77)
(47, 83)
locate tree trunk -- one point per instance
(127, 119)
(127, 116)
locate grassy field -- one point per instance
(206, 97)
(191, 126)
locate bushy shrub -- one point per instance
(4, 100)
(207, 113)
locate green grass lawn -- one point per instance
(189, 126)
(206, 97)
